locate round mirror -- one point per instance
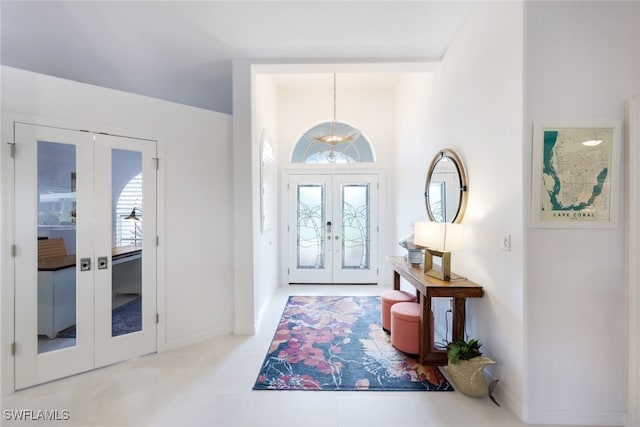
(445, 191)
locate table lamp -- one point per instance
(438, 239)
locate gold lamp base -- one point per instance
(444, 273)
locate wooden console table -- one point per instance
(428, 287)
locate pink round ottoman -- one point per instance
(405, 327)
(389, 298)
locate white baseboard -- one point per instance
(576, 418)
(245, 330)
(507, 399)
(183, 342)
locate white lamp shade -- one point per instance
(441, 236)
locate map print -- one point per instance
(576, 174)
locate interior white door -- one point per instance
(125, 248)
(85, 290)
(333, 232)
(54, 185)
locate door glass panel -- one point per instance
(126, 262)
(56, 246)
(355, 226)
(310, 226)
(437, 197)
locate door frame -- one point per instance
(632, 269)
(7, 235)
(311, 170)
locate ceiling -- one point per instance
(182, 51)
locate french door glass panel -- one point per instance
(310, 254)
(355, 226)
(331, 217)
(310, 226)
(56, 245)
(126, 262)
(355, 245)
(85, 295)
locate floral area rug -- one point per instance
(337, 343)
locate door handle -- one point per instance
(328, 227)
(103, 263)
(85, 264)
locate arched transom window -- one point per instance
(310, 149)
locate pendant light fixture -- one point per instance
(333, 138)
(132, 216)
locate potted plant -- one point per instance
(466, 367)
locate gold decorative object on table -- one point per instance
(438, 239)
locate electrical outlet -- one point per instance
(506, 242)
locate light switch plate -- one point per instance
(506, 242)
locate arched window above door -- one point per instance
(309, 149)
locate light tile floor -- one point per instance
(209, 384)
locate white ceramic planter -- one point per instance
(468, 376)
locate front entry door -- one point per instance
(333, 229)
(85, 286)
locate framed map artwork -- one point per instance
(576, 175)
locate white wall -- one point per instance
(472, 103)
(246, 196)
(195, 270)
(266, 242)
(414, 153)
(582, 61)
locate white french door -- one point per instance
(333, 229)
(85, 274)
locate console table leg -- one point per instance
(425, 343)
(396, 280)
(459, 316)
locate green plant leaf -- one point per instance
(464, 350)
